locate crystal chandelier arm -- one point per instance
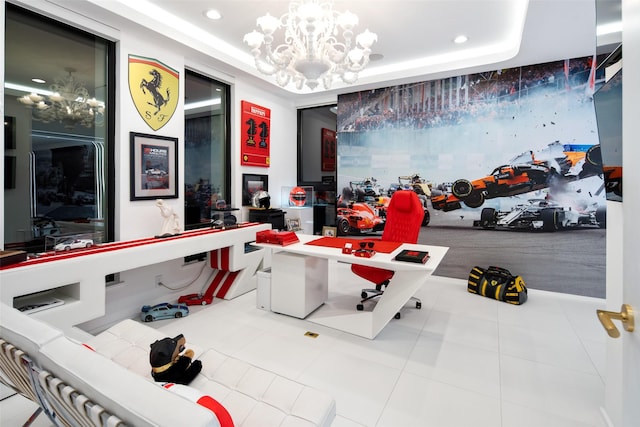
(317, 45)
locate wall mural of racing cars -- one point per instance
(525, 173)
(358, 218)
(544, 215)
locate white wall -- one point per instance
(142, 218)
(135, 219)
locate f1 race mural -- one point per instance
(512, 150)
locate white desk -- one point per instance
(407, 279)
(80, 280)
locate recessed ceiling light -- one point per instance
(213, 14)
(460, 39)
(37, 80)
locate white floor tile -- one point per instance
(417, 402)
(514, 415)
(361, 387)
(560, 349)
(16, 410)
(551, 389)
(463, 329)
(460, 365)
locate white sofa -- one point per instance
(112, 370)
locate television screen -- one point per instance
(608, 106)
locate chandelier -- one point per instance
(311, 48)
(67, 103)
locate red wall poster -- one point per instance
(328, 150)
(254, 133)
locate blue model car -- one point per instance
(163, 311)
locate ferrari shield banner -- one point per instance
(256, 127)
(154, 89)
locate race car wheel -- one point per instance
(474, 200)
(343, 226)
(148, 318)
(488, 218)
(426, 218)
(601, 217)
(549, 220)
(594, 155)
(462, 188)
(178, 315)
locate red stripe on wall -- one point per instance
(227, 284)
(220, 258)
(211, 290)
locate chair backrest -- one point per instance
(404, 217)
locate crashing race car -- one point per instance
(358, 218)
(541, 214)
(420, 186)
(521, 177)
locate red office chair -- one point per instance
(404, 219)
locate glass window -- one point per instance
(207, 164)
(57, 133)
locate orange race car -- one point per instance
(613, 179)
(522, 177)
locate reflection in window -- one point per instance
(207, 163)
(56, 99)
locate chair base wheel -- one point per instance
(359, 307)
(418, 305)
(364, 294)
(397, 316)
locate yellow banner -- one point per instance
(154, 89)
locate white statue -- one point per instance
(171, 223)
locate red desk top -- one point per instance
(381, 246)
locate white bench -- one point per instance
(111, 378)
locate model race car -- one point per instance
(163, 310)
(542, 214)
(523, 174)
(69, 244)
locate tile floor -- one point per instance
(462, 360)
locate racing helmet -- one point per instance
(261, 199)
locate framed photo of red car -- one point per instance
(328, 150)
(255, 143)
(154, 167)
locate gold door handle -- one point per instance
(625, 315)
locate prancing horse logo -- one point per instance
(154, 89)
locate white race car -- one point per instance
(69, 244)
(540, 214)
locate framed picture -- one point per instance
(251, 184)
(293, 224)
(255, 143)
(154, 167)
(328, 150)
(329, 231)
(9, 133)
(9, 172)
